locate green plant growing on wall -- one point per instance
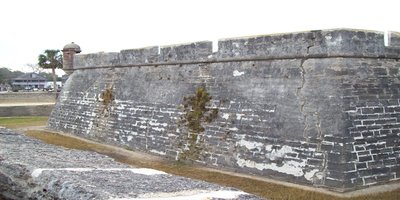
(107, 97)
(196, 113)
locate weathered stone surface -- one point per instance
(304, 107)
(30, 169)
(318, 43)
(394, 39)
(96, 59)
(133, 56)
(186, 52)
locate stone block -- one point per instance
(348, 43)
(273, 46)
(139, 56)
(96, 60)
(394, 39)
(198, 51)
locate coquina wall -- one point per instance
(319, 108)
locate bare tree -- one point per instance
(35, 68)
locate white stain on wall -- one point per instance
(157, 152)
(237, 73)
(239, 116)
(250, 145)
(287, 167)
(336, 40)
(275, 153)
(225, 116)
(309, 175)
(295, 168)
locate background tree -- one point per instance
(6, 75)
(35, 68)
(51, 59)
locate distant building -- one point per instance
(50, 84)
(29, 81)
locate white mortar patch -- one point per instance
(239, 116)
(157, 152)
(192, 195)
(237, 73)
(158, 124)
(250, 145)
(158, 129)
(309, 175)
(225, 116)
(145, 171)
(233, 129)
(278, 153)
(288, 167)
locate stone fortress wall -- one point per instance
(319, 108)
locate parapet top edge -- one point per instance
(255, 36)
(142, 48)
(303, 32)
(319, 43)
(98, 53)
(184, 44)
(167, 46)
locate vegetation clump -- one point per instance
(196, 113)
(107, 96)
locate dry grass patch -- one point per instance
(263, 189)
(21, 122)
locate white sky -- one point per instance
(28, 27)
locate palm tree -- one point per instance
(51, 59)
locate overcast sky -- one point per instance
(28, 27)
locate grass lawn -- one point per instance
(21, 122)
